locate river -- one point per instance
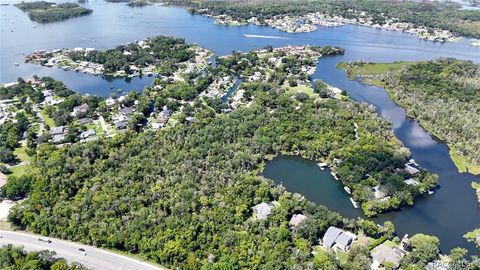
(449, 213)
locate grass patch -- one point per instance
(303, 88)
(48, 121)
(359, 69)
(462, 164)
(18, 171)
(21, 153)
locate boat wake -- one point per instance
(260, 36)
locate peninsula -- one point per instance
(443, 95)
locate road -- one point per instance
(95, 258)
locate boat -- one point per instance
(334, 175)
(355, 204)
(347, 189)
(16, 64)
(322, 165)
(430, 192)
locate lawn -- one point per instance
(48, 121)
(303, 88)
(462, 164)
(18, 171)
(371, 69)
(21, 153)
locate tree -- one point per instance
(425, 248)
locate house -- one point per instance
(384, 253)
(411, 169)
(156, 126)
(3, 179)
(87, 134)
(109, 102)
(127, 111)
(58, 138)
(411, 182)
(330, 236)
(345, 240)
(57, 130)
(338, 238)
(85, 121)
(297, 219)
(121, 124)
(262, 210)
(80, 109)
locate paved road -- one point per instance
(95, 258)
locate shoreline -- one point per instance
(460, 162)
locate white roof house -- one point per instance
(297, 219)
(411, 181)
(411, 169)
(262, 210)
(330, 237)
(384, 253)
(335, 237)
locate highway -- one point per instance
(95, 258)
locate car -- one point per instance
(45, 240)
(82, 250)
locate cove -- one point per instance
(448, 214)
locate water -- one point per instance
(449, 213)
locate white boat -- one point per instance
(322, 165)
(430, 192)
(334, 175)
(347, 189)
(355, 204)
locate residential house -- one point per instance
(411, 168)
(85, 121)
(411, 182)
(120, 125)
(82, 109)
(87, 134)
(58, 138)
(384, 253)
(338, 238)
(330, 236)
(297, 219)
(262, 210)
(57, 130)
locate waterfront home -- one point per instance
(330, 236)
(109, 102)
(297, 219)
(262, 210)
(411, 168)
(338, 238)
(383, 254)
(82, 109)
(411, 182)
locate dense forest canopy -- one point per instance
(45, 12)
(428, 14)
(444, 95)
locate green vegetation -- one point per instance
(179, 195)
(473, 236)
(12, 258)
(163, 52)
(45, 12)
(428, 14)
(425, 248)
(443, 95)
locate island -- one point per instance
(158, 55)
(443, 95)
(46, 12)
(172, 173)
(427, 20)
